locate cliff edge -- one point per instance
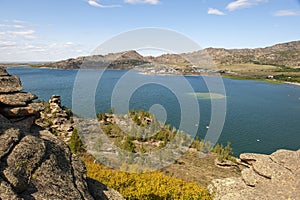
(275, 176)
(34, 163)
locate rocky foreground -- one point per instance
(34, 163)
(275, 176)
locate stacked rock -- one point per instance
(57, 119)
(16, 105)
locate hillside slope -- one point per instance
(285, 54)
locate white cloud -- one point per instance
(27, 34)
(18, 26)
(13, 52)
(213, 11)
(98, 5)
(16, 21)
(153, 2)
(239, 4)
(7, 43)
(21, 42)
(11, 26)
(281, 13)
(12, 29)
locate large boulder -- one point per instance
(3, 71)
(275, 176)
(18, 99)
(9, 84)
(15, 105)
(38, 165)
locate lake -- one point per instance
(261, 117)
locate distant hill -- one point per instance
(122, 60)
(285, 54)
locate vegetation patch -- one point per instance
(145, 186)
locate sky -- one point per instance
(48, 30)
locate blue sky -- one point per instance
(42, 30)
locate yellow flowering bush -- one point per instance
(146, 186)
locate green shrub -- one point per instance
(75, 144)
(128, 145)
(224, 153)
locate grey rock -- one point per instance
(40, 166)
(35, 164)
(8, 139)
(24, 123)
(36, 106)
(22, 161)
(32, 109)
(9, 84)
(251, 178)
(6, 191)
(56, 119)
(4, 124)
(288, 159)
(221, 187)
(17, 99)
(18, 111)
(275, 176)
(3, 71)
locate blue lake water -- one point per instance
(260, 117)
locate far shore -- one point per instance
(229, 76)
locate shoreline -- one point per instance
(292, 83)
(232, 77)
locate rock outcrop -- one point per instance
(34, 163)
(57, 119)
(275, 176)
(122, 60)
(16, 105)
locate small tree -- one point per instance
(75, 144)
(129, 145)
(101, 116)
(111, 111)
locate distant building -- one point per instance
(270, 77)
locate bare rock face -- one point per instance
(10, 84)
(34, 163)
(15, 105)
(18, 99)
(275, 176)
(3, 72)
(37, 165)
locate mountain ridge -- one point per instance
(282, 54)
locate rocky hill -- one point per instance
(34, 163)
(285, 54)
(123, 60)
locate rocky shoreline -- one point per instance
(275, 176)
